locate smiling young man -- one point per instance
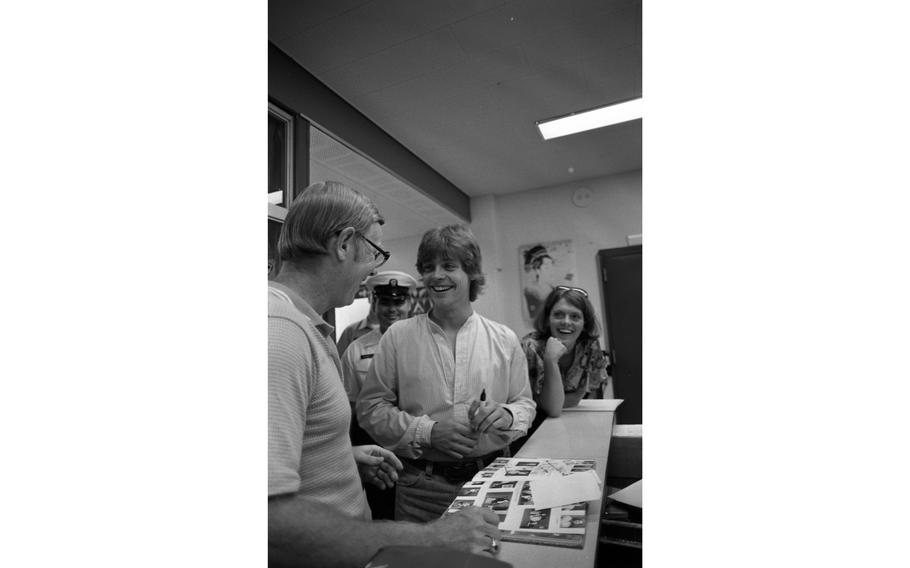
(447, 390)
(318, 515)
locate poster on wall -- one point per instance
(544, 266)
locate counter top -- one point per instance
(579, 435)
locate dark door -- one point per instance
(620, 269)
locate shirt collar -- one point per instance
(365, 324)
(323, 326)
(435, 326)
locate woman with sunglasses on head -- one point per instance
(565, 360)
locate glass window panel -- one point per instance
(281, 138)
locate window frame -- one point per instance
(288, 120)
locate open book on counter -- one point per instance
(505, 487)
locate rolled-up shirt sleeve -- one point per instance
(377, 407)
(520, 402)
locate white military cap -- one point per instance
(392, 283)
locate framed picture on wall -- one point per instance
(545, 265)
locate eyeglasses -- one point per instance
(572, 288)
(380, 257)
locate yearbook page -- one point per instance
(505, 487)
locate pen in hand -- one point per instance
(475, 405)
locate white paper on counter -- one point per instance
(630, 495)
(595, 404)
(549, 492)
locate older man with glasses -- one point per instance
(318, 515)
(368, 324)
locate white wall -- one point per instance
(505, 222)
(548, 214)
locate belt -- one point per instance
(457, 471)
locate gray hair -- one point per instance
(320, 212)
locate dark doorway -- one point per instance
(620, 269)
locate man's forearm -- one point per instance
(305, 533)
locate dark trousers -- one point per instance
(381, 501)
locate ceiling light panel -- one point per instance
(590, 119)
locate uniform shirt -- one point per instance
(309, 415)
(356, 361)
(353, 331)
(415, 380)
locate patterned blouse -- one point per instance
(586, 374)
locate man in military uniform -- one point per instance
(392, 294)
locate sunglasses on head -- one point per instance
(573, 289)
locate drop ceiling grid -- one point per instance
(420, 71)
(364, 175)
(492, 77)
(424, 94)
(367, 175)
(491, 30)
(415, 58)
(386, 183)
(288, 18)
(500, 110)
(613, 75)
(371, 28)
(326, 149)
(449, 74)
(472, 139)
(332, 46)
(401, 219)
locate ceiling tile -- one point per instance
(616, 78)
(434, 51)
(453, 83)
(294, 17)
(365, 30)
(461, 83)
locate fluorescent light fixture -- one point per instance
(590, 119)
